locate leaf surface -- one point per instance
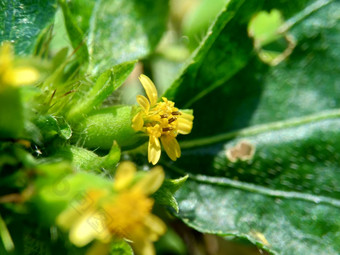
(22, 21)
(281, 190)
(123, 31)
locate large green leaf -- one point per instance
(106, 83)
(306, 83)
(286, 195)
(22, 21)
(122, 31)
(75, 33)
(226, 49)
(82, 13)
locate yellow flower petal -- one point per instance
(143, 102)
(124, 175)
(143, 247)
(121, 213)
(66, 218)
(154, 150)
(187, 116)
(171, 147)
(161, 120)
(11, 75)
(138, 122)
(156, 226)
(150, 89)
(184, 126)
(155, 131)
(90, 226)
(21, 76)
(151, 181)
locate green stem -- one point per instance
(5, 236)
(331, 114)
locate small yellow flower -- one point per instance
(161, 121)
(122, 213)
(14, 75)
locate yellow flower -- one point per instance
(14, 75)
(122, 213)
(161, 121)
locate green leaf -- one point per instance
(165, 195)
(263, 27)
(22, 21)
(106, 83)
(292, 181)
(82, 13)
(65, 130)
(59, 58)
(11, 113)
(225, 50)
(261, 94)
(263, 156)
(209, 67)
(171, 243)
(199, 18)
(5, 236)
(75, 34)
(56, 189)
(121, 248)
(50, 127)
(86, 160)
(100, 128)
(122, 31)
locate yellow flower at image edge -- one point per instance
(124, 213)
(161, 121)
(14, 75)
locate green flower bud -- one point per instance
(100, 128)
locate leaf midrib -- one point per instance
(258, 129)
(253, 188)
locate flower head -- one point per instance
(161, 121)
(14, 75)
(122, 213)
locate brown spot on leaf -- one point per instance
(243, 150)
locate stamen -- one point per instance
(167, 129)
(172, 120)
(176, 113)
(164, 116)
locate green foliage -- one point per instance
(263, 27)
(106, 23)
(75, 33)
(22, 21)
(165, 195)
(262, 160)
(83, 159)
(58, 188)
(102, 127)
(198, 20)
(50, 127)
(208, 64)
(109, 43)
(121, 248)
(11, 118)
(287, 192)
(106, 83)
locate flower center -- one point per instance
(128, 212)
(163, 119)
